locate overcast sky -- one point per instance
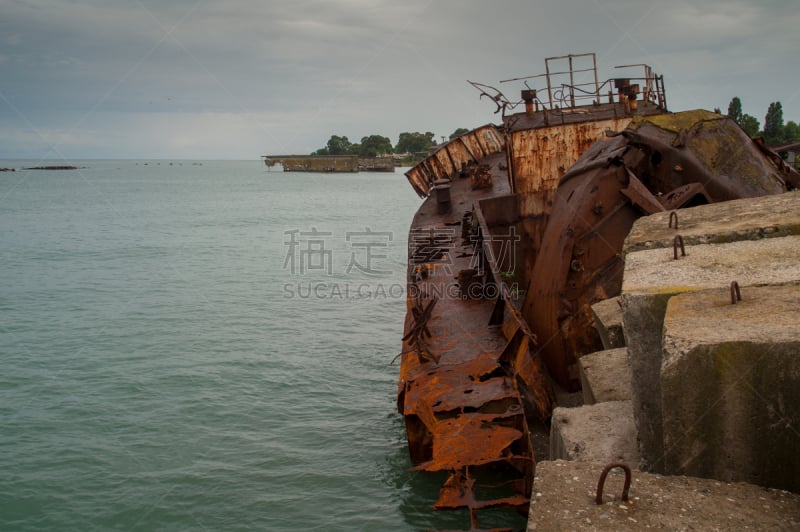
(236, 79)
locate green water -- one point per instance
(182, 350)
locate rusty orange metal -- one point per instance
(460, 378)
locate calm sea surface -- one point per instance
(205, 346)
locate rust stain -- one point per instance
(544, 154)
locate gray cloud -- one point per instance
(236, 79)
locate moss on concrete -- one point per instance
(676, 122)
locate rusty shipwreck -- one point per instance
(520, 232)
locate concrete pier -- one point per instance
(564, 499)
(602, 432)
(760, 249)
(605, 376)
(730, 386)
(608, 322)
(714, 385)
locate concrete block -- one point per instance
(643, 318)
(719, 223)
(608, 322)
(604, 432)
(652, 277)
(730, 386)
(564, 492)
(605, 376)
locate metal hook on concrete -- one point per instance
(672, 215)
(599, 498)
(675, 241)
(736, 294)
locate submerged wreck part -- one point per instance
(657, 163)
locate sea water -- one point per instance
(201, 345)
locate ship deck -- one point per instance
(463, 412)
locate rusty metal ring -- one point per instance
(678, 240)
(672, 215)
(736, 294)
(599, 498)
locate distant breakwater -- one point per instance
(41, 168)
(52, 168)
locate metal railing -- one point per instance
(571, 81)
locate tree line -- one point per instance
(375, 145)
(775, 132)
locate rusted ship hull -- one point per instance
(520, 233)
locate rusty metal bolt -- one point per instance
(599, 498)
(675, 242)
(672, 215)
(736, 294)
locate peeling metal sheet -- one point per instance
(459, 492)
(456, 394)
(470, 440)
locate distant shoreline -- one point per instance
(51, 168)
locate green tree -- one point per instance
(773, 124)
(375, 145)
(338, 145)
(750, 125)
(458, 132)
(415, 142)
(735, 110)
(791, 132)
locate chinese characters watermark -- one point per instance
(366, 253)
(312, 251)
